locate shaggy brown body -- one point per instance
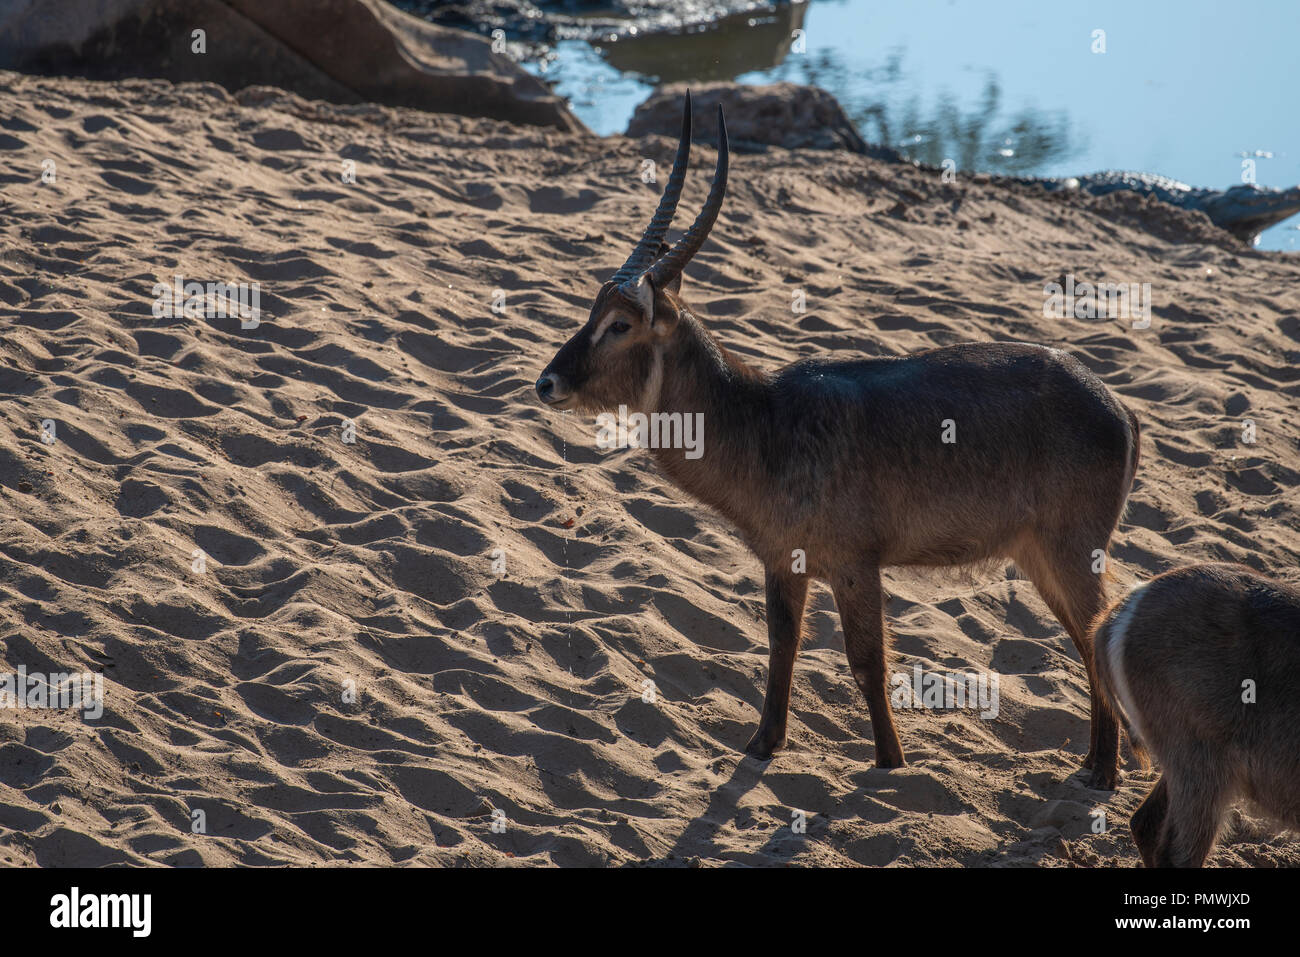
(1171, 659)
(846, 462)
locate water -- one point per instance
(1191, 89)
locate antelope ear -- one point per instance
(643, 294)
(676, 284)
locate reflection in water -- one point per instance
(980, 138)
(880, 100)
(733, 45)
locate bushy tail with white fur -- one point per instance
(1109, 636)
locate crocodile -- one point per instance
(799, 117)
(813, 119)
(1244, 210)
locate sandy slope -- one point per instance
(372, 561)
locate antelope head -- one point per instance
(617, 357)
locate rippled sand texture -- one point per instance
(372, 562)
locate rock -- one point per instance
(343, 51)
(722, 49)
(699, 40)
(783, 114)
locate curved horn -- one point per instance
(648, 248)
(666, 269)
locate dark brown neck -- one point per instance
(700, 376)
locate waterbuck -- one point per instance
(836, 468)
(1201, 665)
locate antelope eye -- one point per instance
(619, 326)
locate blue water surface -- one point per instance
(1199, 90)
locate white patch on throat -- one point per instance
(654, 382)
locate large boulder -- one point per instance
(782, 114)
(725, 48)
(344, 51)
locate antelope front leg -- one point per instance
(862, 616)
(786, 594)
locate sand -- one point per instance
(329, 565)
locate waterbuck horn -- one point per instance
(669, 267)
(648, 248)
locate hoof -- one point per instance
(1102, 780)
(762, 749)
